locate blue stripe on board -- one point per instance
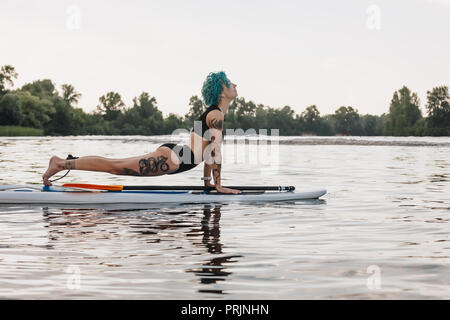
(61, 189)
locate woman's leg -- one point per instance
(159, 162)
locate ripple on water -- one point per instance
(386, 214)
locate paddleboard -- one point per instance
(35, 194)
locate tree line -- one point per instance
(40, 105)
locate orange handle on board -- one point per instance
(93, 186)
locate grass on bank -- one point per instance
(15, 131)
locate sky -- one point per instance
(298, 53)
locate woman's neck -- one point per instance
(224, 104)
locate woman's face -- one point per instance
(231, 92)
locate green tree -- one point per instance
(151, 118)
(243, 114)
(65, 120)
(231, 120)
(244, 108)
(310, 119)
(172, 123)
(262, 117)
(147, 106)
(371, 125)
(195, 111)
(438, 107)
(347, 121)
(80, 120)
(7, 74)
(43, 89)
(130, 122)
(111, 105)
(36, 112)
(10, 110)
(404, 112)
(92, 123)
(69, 94)
(282, 119)
(326, 126)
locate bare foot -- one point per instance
(55, 165)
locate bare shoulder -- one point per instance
(215, 119)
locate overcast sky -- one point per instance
(298, 53)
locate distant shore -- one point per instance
(18, 131)
(38, 108)
(13, 132)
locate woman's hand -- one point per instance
(227, 190)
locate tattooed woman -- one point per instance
(204, 145)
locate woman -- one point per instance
(204, 145)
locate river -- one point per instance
(381, 231)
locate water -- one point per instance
(381, 231)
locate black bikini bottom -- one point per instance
(180, 151)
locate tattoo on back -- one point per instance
(149, 166)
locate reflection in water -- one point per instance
(438, 178)
(85, 226)
(210, 231)
(212, 270)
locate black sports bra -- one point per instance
(204, 127)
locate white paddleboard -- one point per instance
(30, 194)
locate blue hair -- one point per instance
(212, 87)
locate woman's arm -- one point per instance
(214, 120)
(207, 174)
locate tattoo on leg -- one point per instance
(151, 165)
(147, 166)
(70, 164)
(130, 172)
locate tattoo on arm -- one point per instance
(216, 173)
(207, 170)
(217, 124)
